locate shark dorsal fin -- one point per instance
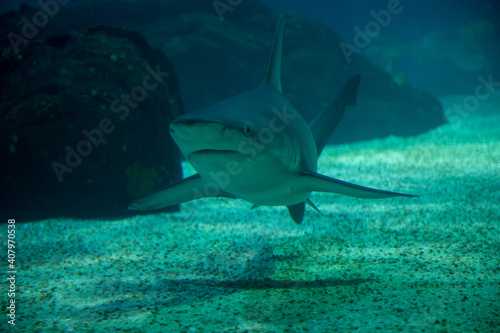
(273, 77)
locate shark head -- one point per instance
(211, 131)
(256, 139)
(250, 126)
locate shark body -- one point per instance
(257, 147)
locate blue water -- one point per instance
(424, 264)
(417, 21)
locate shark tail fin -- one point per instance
(185, 190)
(347, 95)
(313, 181)
(323, 125)
(273, 77)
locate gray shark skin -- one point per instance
(255, 146)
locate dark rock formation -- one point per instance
(84, 125)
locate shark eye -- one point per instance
(247, 130)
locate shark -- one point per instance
(257, 147)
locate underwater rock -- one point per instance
(219, 53)
(84, 125)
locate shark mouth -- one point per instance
(219, 151)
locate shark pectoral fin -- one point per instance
(312, 181)
(187, 189)
(297, 212)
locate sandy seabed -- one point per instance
(427, 264)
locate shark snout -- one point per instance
(208, 137)
(192, 134)
(182, 121)
(183, 126)
(192, 122)
(190, 127)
